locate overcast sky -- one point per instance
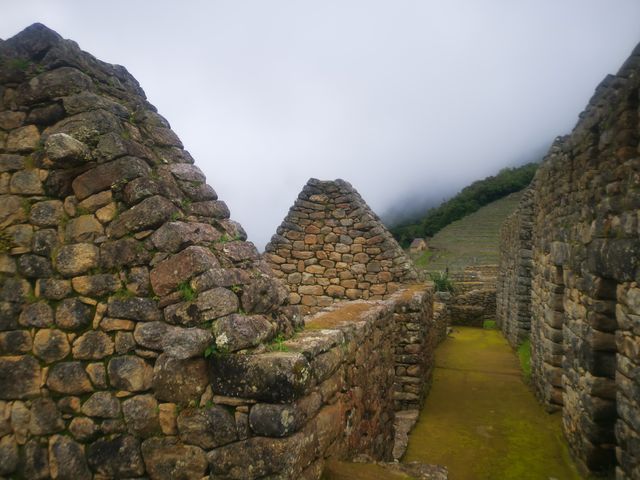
(405, 99)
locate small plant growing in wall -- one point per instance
(277, 345)
(210, 350)
(187, 292)
(442, 281)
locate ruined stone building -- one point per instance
(141, 335)
(331, 246)
(513, 309)
(571, 256)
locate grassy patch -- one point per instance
(124, 293)
(442, 281)
(277, 345)
(481, 421)
(187, 292)
(490, 325)
(473, 240)
(423, 259)
(524, 354)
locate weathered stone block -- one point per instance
(69, 378)
(167, 459)
(179, 381)
(263, 295)
(141, 416)
(76, 259)
(148, 214)
(24, 139)
(15, 342)
(281, 420)
(269, 377)
(93, 345)
(173, 236)
(63, 150)
(72, 314)
(130, 373)
(106, 175)
(47, 213)
(134, 308)
(184, 343)
(51, 345)
(8, 455)
(208, 427)
(237, 332)
(20, 377)
(67, 460)
(181, 267)
(51, 84)
(45, 418)
(117, 457)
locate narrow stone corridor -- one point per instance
(482, 421)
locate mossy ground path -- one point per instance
(482, 421)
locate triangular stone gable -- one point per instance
(332, 247)
(120, 271)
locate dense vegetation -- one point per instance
(470, 199)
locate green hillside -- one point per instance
(473, 240)
(468, 200)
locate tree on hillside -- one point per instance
(469, 200)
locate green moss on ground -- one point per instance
(360, 471)
(490, 325)
(524, 355)
(422, 259)
(482, 421)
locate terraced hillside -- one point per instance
(472, 240)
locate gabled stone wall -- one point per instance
(586, 267)
(332, 247)
(120, 269)
(141, 335)
(513, 310)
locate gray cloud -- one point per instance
(405, 99)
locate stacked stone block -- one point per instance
(416, 336)
(327, 392)
(586, 265)
(472, 308)
(513, 309)
(120, 270)
(141, 335)
(332, 247)
(474, 298)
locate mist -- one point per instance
(409, 101)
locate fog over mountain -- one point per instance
(409, 101)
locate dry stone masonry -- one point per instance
(585, 297)
(330, 391)
(142, 336)
(332, 247)
(119, 269)
(474, 298)
(513, 312)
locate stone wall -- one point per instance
(417, 334)
(513, 309)
(584, 291)
(141, 335)
(119, 270)
(330, 391)
(332, 247)
(474, 297)
(473, 307)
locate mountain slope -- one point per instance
(473, 240)
(468, 200)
